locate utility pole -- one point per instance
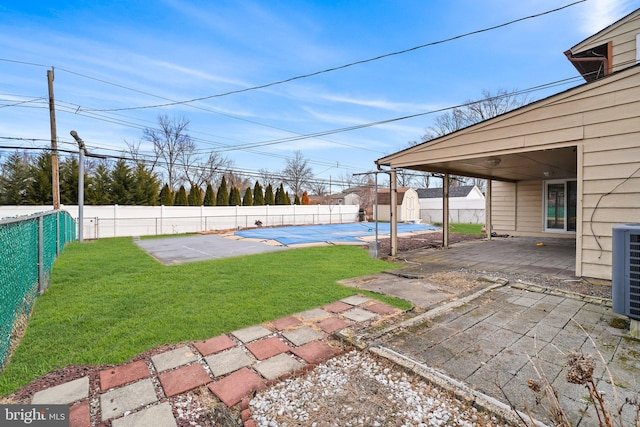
(55, 175)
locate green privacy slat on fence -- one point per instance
(19, 266)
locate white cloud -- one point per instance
(598, 14)
(403, 107)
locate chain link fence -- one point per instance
(30, 245)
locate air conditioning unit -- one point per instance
(626, 270)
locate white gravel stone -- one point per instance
(409, 401)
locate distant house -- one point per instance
(466, 204)
(408, 205)
(565, 166)
(344, 198)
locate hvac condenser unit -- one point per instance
(626, 270)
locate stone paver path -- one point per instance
(232, 366)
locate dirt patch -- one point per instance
(432, 239)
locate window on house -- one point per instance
(560, 205)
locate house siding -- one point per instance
(503, 206)
(611, 179)
(517, 208)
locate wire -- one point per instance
(351, 64)
(593, 212)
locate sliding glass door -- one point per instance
(560, 205)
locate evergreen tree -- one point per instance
(287, 199)
(222, 198)
(166, 196)
(234, 197)
(258, 195)
(99, 186)
(209, 196)
(15, 179)
(69, 169)
(181, 197)
(296, 201)
(122, 182)
(268, 196)
(195, 196)
(305, 199)
(247, 200)
(41, 189)
(145, 187)
(280, 196)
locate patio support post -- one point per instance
(487, 210)
(445, 210)
(394, 210)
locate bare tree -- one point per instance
(202, 169)
(171, 145)
(491, 105)
(267, 177)
(318, 188)
(297, 173)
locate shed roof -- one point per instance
(384, 195)
(436, 193)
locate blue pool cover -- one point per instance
(338, 233)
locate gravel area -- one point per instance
(359, 389)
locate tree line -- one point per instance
(27, 180)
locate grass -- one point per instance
(475, 229)
(110, 301)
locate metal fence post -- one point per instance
(57, 233)
(41, 281)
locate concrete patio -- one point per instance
(488, 344)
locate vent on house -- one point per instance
(626, 270)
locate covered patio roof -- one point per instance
(557, 163)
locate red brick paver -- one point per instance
(214, 345)
(183, 379)
(80, 415)
(286, 322)
(380, 308)
(267, 348)
(115, 377)
(332, 324)
(232, 388)
(337, 307)
(315, 352)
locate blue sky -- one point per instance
(118, 55)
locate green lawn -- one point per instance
(475, 229)
(109, 301)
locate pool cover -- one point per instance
(336, 233)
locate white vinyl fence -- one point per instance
(461, 216)
(116, 221)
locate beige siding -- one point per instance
(530, 207)
(503, 206)
(611, 180)
(517, 208)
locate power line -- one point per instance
(351, 64)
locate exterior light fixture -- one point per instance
(493, 161)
